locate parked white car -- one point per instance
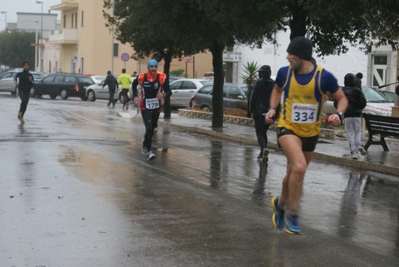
(96, 91)
(377, 103)
(97, 78)
(183, 90)
(7, 83)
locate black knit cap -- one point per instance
(359, 75)
(301, 47)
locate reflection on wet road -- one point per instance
(76, 191)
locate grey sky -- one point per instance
(14, 6)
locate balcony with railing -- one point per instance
(64, 36)
(65, 6)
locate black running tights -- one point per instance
(24, 95)
(261, 134)
(150, 119)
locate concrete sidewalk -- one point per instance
(327, 150)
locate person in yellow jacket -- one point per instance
(125, 81)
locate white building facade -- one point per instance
(378, 68)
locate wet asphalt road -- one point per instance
(76, 191)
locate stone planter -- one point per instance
(325, 133)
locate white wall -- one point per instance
(32, 21)
(353, 61)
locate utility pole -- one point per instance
(112, 40)
(36, 46)
(41, 35)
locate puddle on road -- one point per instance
(95, 168)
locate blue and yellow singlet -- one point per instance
(302, 104)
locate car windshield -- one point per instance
(85, 80)
(204, 82)
(99, 78)
(390, 96)
(206, 89)
(373, 96)
(244, 88)
(37, 76)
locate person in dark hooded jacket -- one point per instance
(112, 86)
(353, 122)
(258, 105)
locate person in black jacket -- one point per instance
(112, 86)
(353, 122)
(24, 81)
(258, 105)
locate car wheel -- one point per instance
(53, 96)
(190, 105)
(206, 108)
(91, 96)
(64, 95)
(32, 92)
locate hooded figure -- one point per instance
(352, 116)
(259, 95)
(259, 104)
(356, 99)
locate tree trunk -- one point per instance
(167, 108)
(217, 96)
(298, 21)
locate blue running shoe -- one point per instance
(291, 224)
(278, 214)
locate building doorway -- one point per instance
(379, 70)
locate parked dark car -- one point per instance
(63, 85)
(233, 96)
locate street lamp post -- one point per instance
(112, 40)
(41, 34)
(36, 46)
(5, 13)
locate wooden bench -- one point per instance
(382, 125)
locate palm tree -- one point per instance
(250, 69)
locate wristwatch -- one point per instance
(340, 114)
